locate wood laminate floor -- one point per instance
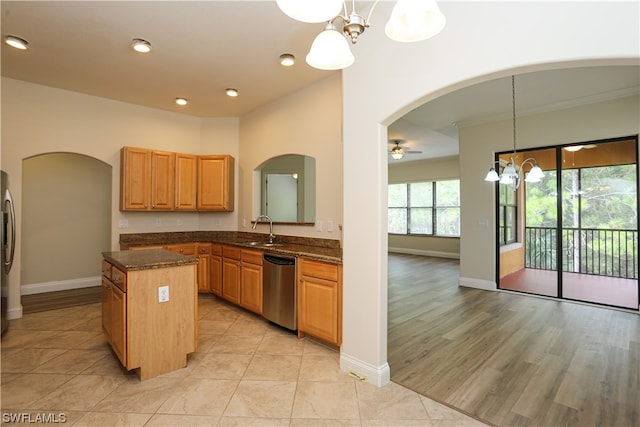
(60, 299)
(507, 359)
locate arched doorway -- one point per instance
(66, 221)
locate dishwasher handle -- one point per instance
(279, 260)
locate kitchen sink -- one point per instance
(263, 244)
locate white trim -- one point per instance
(469, 282)
(377, 376)
(436, 254)
(60, 285)
(14, 313)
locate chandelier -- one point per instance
(410, 21)
(512, 173)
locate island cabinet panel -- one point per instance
(320, 300)
(251, 281)
(160, 335)
(186, 181)
(149, 329)
(231, 274)
(215, 183)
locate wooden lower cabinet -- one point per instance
(320, 300)
(251, 281)
(137, 324)
(215, 266)
(231, 273)
(114, 310)
(204, 267)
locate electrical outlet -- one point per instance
(330, 226)
(163, 294)
(319, 225)
(158, 222)
(123, 223)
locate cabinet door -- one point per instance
(215, 183)
(135, 171)
(204, 273)
(186, 181)
(318, 308)
(251, 288)
(162, 180)
(231, 280)
(215, 277)
(107, 304)
(119, 324)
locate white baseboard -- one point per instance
(60, 285)
(469, 282)
(14, 313)
(436, 254)
(377, 376)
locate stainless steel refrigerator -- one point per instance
(8, 241)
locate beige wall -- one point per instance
(425, 170)
(307, 122)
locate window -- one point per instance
(425, 208)
(507, 212)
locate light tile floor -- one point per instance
(246, 372)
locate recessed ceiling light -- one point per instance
(141, 45)
(16, 42)
(181, 101)
(231, 92)
(287, 60)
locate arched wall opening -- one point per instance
(406, 77)
(66, 203)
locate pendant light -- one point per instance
(512, 173)
(411, 20)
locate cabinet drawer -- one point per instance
(106, 269)
(183, 248)
(216, 250)
(252, 257)
(204, 249)
(231, 252)
(119, 279)
(318, 269)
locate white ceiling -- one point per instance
(202, 47)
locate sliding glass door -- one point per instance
(578, 231)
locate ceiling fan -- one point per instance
(398, 152)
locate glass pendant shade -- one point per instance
(509, 171)
(535, 174)
(311, 10)
(492, 176)
(330, 50)
(507, 180)
(414, 20)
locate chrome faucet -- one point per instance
(272, 236)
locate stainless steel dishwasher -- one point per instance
(279, 290)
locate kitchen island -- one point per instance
(149, 309)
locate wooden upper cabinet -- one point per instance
(215, 183)
(186, 181)
(162, 180)
(135, 177)
(147, 179)
(166, 181)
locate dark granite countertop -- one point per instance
(318, 249)
(147, 259)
